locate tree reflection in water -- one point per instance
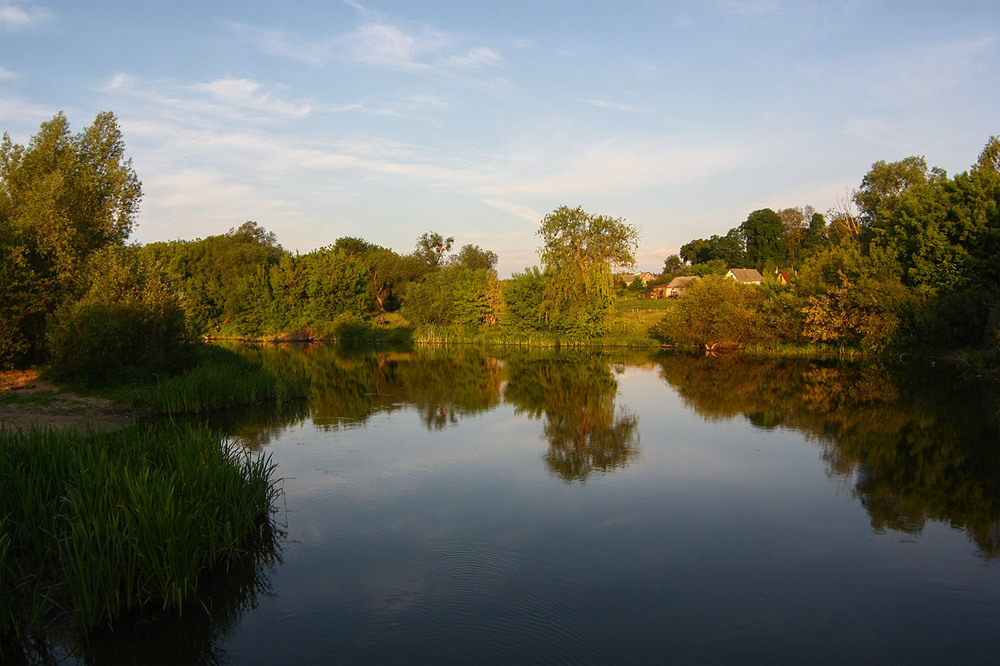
(911, 447)
(575, 393)
(914, 445)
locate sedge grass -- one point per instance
(97, 525)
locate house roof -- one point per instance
(745, 275)
(682, 281)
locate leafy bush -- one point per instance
(128, 324)
(713, 310)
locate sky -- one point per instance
(387, 119)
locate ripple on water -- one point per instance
(484, 606)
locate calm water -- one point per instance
(459, 506)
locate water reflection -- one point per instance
(163, 637)
(910, 447)
(575, 393)
(913, 445)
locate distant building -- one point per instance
(629, 278)
(745, 275)
(674, 288)
(783, 277)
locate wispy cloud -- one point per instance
(615, 106)
(7, 75)
(613, 167)
(223, 98)
(250, 95)
(517, 210)
(284, 44)
(16, 15)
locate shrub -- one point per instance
(128, 323)
(713, 310)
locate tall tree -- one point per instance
(573, 237)
(579, 251)
(765, 238)
(62, 198)
(883, 186)
(432, 246)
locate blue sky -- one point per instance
(385, 119)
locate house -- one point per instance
(745, 275)
(674, 289)
(783, 277)
(629, 278)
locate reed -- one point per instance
(95, 525)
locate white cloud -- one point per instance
(248, 94)
(615, 106)
(7, 75)
(17, 15)
(379, 43)
(214, 100)
(614, 167)
(475, 57)
(517, 210)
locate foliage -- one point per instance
(766, 245)
(523, 294)
(574, 238)
(713, 311)
(431, 248)
(864, 303)
(473, 257)
(454, 295)
(129, 321)
(579, 251)
(729, 249)
(222, 277)
(62, 198)
(883, 187)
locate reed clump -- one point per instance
(97, 525)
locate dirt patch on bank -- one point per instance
(27, 400)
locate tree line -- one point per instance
(909, 259)
(76, 294)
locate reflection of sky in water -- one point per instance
(720, 542)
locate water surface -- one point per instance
(463, 506)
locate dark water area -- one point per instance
(458, 505)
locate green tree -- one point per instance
(432, 247)
(884, 185)
(673, 265)
(523, 294)
(473, 257)
(579, 251)
(128, 322)
(713, 311)
(765, 239)
(62, 198)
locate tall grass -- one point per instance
(95, 525)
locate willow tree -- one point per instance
(579, 253)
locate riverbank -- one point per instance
(27, 400)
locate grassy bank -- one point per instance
(96, 525)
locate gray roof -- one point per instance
(746, 274)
